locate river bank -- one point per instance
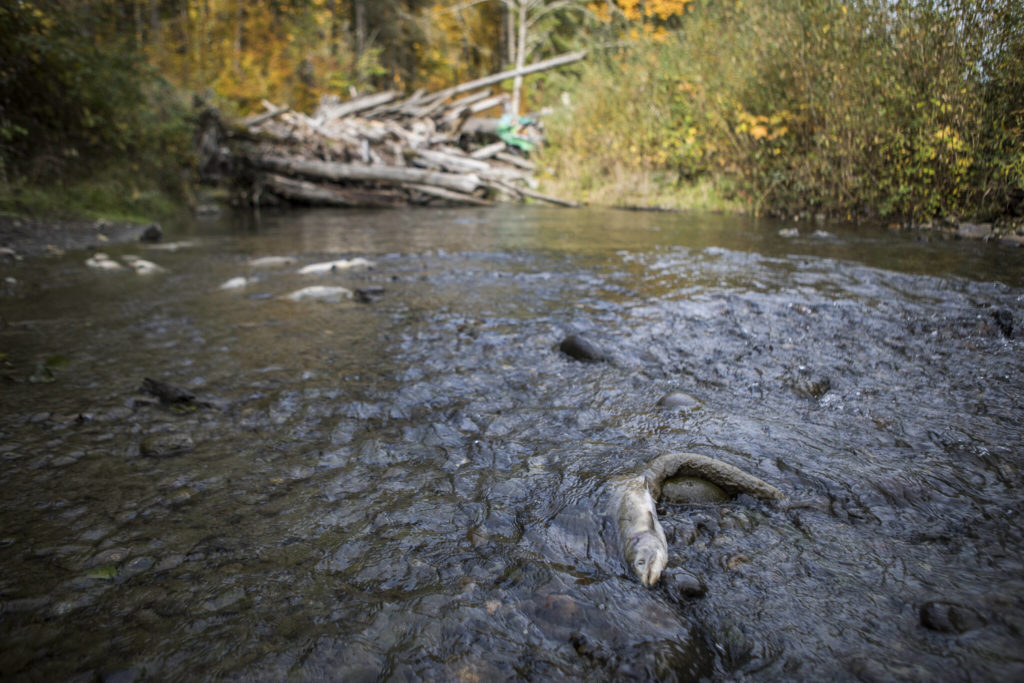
(1007, 231)
(22, 236)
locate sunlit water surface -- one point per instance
(414, 488)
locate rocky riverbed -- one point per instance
(412, 485)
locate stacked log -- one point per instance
(383, 149)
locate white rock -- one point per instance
(320, 293)
(331, 266)
(271, 261)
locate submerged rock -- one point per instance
(1004, 320)
(368, 295)
(678, 400)
(809, 385)
(682, 584)
(948, 617)
(111, 556)
(166, 445)
(167, 393)
(137, 566)
(582, 349)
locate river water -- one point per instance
(413, 488)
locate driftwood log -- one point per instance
(378, 149)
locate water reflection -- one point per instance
(413, 488)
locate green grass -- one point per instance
(110, 196)
(623, 186)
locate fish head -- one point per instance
(647, 557)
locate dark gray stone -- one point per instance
(166, 445)
(111, 556)
(138, 565)
(1004, 320)
(152, 234)
(368, 295)
(582, 349)
(948, 617)
(120, 676)
(167, 393)
(682, 584)
(812, 387)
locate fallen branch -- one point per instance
(354, 106)
(257, 119)
(532, 194)
(488, 151)
(458, 197)
(543, 65)
(525, 164)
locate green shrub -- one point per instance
(78, 111)
(860, 109)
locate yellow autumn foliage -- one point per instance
(883, 109)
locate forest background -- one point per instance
(856, 109)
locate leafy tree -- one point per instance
(534, 25)
(65, 96)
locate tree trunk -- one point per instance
(356, 105)
(334, 172)
(137, 20)
(517, 83)
(239, 21)
(359, 27)
(332, 33)
(155, 37)
(509, 57)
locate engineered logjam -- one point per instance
(380, 149)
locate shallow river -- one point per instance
(414, 488)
